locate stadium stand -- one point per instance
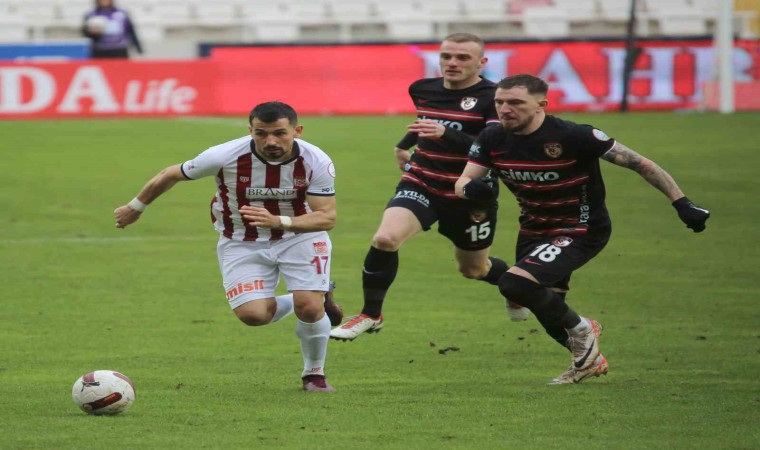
(172, 28)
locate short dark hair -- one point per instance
(533, 84)
(272, 112)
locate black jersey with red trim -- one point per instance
(437, 163)
(553, 172)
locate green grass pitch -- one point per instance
(680, 309)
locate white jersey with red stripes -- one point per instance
(244, 178)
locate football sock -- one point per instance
(313, 337)
(284, 307)
(557, 333)
(547, 305)
(380, 268)
(498, 268)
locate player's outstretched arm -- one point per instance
(162, 182)
(692, 215)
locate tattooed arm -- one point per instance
(649, 170)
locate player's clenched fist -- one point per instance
(692, 215)
(125, 215)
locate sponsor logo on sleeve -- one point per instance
(599, 134)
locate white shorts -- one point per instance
(251, 270)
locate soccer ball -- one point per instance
(97, 24)
(103, 392)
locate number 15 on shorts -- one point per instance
(479, 232)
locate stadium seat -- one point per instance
(13, 28)
(411, 29)
(578, 10)
(614, 10)
(213, 14)
(397, 9)
(681, 22)
(545, 22)
(484, 10)
(352, 10)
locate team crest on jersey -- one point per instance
(553, 149)
(321, 248)
(562, 241)
(468, 103)
(300, 182)
(245, 179)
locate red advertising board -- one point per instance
(360, 79)
(111, 88)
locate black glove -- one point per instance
(692, 215)
(482, 190)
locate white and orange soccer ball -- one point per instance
(103, 392)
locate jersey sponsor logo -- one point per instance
(601, 135)
(446, 123)
(321, 248)
(528, 175)
(468, 103)
(474, 151)
(562, 241)
(255, 285)
(413, 195)
(258, 193)
(553, 149)
(530, 261)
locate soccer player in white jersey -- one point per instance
(274, 204)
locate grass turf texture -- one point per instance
(679, 308)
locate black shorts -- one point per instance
(552, 259)
(468, 228)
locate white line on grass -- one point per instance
(103, 240)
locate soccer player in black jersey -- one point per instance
(451, 111)
(552, 168)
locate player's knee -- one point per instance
(518, 289)
(309, 312)
(253, 320)
(255, 313)
(386, 242)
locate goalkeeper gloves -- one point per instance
(692, 215)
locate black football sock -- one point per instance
(548, 306)
(498, 268)
(380, 268)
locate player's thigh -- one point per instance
(248, 271)
(467, 229)
(552, 259)
(305, 261)
(397, 226)
(412, 206)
